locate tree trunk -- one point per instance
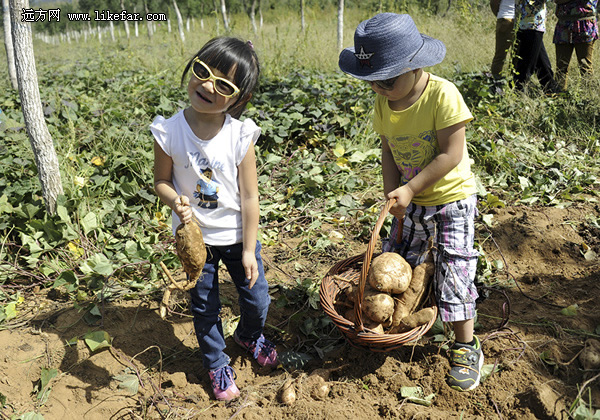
(340, 26)
(302, 21)
(125, 22)
(253, 16)
(135, 24)
(179, 21)
(217, 22)
(37, 131)
(224, 14)
(148, 23)
(448, 9)
(8, 45)
(111, 27)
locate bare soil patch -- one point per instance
(545, 270)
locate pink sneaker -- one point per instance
(262, 349)
(223, 385)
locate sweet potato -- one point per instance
(190, 249)
(390, 273)
(414, 320)
(379, 307)
(192, 254)
(317, 382)
(590, 356)
(350, 292)
(372, 325)
(287, 393)
(409, 301)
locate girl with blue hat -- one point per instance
(421, 120)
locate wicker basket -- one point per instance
(353, 270)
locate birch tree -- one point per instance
(125, 22)
(179, 21)
(302, 21)
(253, 16)
(111, 28)
(224, 15)
(8, 46)
(148, 23)
(340, 25)
(31, 105)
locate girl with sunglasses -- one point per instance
(205, 171)
(421, 119)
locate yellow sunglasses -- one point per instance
(223, 86)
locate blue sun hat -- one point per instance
(388, 45)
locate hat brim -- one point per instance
(431, 53)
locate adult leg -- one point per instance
(206, 307)
(504, 39)
(563, 58)
(543, 70)
(585, 53)
(528, 49)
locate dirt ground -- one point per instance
(544, 269)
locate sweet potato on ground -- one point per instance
(287, 393)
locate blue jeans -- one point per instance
(206, 304)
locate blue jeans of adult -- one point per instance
(206, 304)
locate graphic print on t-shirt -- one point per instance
(413, 153)
(206, 190)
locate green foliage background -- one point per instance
(318, 158)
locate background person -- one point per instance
(505, 35)
(576, 29)
(531, 56)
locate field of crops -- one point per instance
(79, 290)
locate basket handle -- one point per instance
(367, 261)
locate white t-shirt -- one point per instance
(206, 171)
(507, 9)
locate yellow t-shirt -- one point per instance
(412, 136)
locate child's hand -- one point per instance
(403, 197)
(183, 209)
(250, 266)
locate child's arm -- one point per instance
(391, 173)
(248, 181)
(451, 141)
(163, 185)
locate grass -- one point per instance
(281, 44)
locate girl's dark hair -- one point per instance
(224, 53)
